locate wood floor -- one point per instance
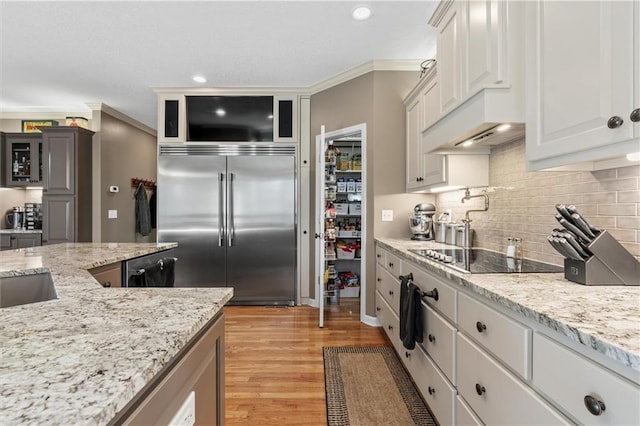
(274, 366)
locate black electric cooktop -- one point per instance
(480, 261)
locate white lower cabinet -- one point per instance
(436, 390)
(589, 393)
(439, 341)
(480, 364)
(496, 395)
(509, 340)
(465, 415)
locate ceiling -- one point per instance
(59, 56)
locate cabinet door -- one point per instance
(434, 169)
(414, 167)
(285, 118)
(430, 100)
(27, 240)
(5, 241)
(580, 73)
(485, 25)
(449, 53)
(58, 219)
(59, 164)
(23, 160)
(171, 123)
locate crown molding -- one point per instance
(367, 67)
(122, 117)
(233, 90)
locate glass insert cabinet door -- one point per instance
(24, 160)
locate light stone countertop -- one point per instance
(81, 358)
(603, 318)
(20, 231)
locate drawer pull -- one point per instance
(432, 338)
(594, 406)
(390, 264)
(379, 279)
(390, 292)
(480, 389)
(431, 390)
(390, 327)
(433, 293)
(378, 256)
(378, 308)
(480, 327)
(407, 354)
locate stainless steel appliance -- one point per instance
(15, 219)
(481, 261)
(232, 211)
(134, 270)
(421, 222)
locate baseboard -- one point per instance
(369, 320)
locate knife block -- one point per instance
(611, 264)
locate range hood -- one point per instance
(491, 117)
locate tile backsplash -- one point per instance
(522, 203)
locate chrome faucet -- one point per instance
(466, 220)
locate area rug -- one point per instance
(368, 386)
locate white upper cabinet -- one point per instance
(422, 107)
(449, 56)
(583, 81)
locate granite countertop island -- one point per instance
(81, 358)
(20, 231)
(603, 318)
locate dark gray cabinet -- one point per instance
(23, 159)
(67, 185)
(19, 240)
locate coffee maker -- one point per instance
(421, 222)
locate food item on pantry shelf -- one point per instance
(351, 185)
(342, 185)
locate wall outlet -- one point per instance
(112, 214)
(387, 215)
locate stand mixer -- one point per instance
(421, 222)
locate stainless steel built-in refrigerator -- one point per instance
(232, 211)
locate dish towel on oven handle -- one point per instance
(411, 327)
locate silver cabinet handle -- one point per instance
(615, 122)
(220, 209)
(635, 115)
(232, 228)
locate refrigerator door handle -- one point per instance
(232, 228)
(220, 209)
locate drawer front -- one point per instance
(390, 323)
(439, 341)
(381, 255)
(435, 388)
(507, 339)
(392, 264)
(389, 288)
(567, 377)
(496, 395)
(465, 415)
(446, 303)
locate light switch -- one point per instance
(387, 215)
(113, 214)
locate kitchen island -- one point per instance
(514, 348)
(84, 357)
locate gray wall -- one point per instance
(126, 152)
(375, 99)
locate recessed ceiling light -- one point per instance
(503, 127)
(361, 13)
(466, 143)
(221, 112)
(270, 116)
(199, 79)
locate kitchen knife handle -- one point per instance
(220, 210)
(569, 248)
(576, 245)
(556, 245)
(232, 226)
(571, 227)
(582, 224)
